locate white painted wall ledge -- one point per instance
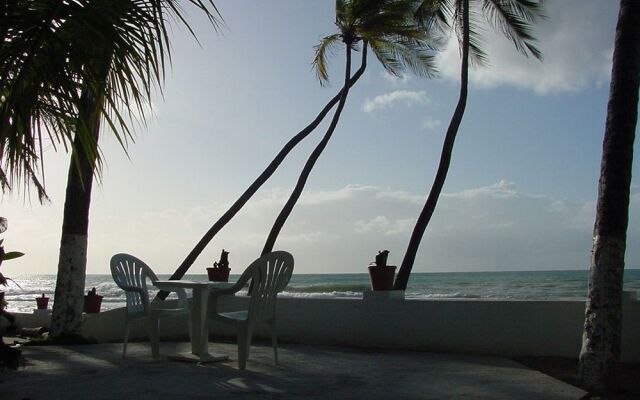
(477, 326)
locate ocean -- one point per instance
(526, 285)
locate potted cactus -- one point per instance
(220, 270)
(42, 302)
(380, 273)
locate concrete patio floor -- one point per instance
(305, 372)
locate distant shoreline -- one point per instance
(365, 273)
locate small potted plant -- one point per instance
(42, 302)
(380, 273)
(92, 302)
(220, 270)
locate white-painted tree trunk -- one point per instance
(69, 294)
(601, 341)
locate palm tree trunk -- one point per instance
(304, 175)
(72, 263)
(603, 315)
(251, 190)
(69, 293)
(445, 160)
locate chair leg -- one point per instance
(154, 336)
(126, 339)
(274, 341)
(244, 344)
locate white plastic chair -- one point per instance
(269, 275)
(131, 274)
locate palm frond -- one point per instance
(477, 56)
(400, 54)
(435, 14)
(48, 49)
(513, 18)
(390, 27)
(322, 51)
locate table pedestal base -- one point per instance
(194, 358)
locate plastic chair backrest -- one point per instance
(130, 272)
(269, 274)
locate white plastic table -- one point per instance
(199, 323)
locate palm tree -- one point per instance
(67, 67)
(603, 315)
(385, 26)
(397, 40)
(43, 68)
(512, 18)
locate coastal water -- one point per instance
(538, 285)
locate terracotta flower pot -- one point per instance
(382, 277)
(42, 302)
(92, 303)
(218, 274)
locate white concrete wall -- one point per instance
(500, 327)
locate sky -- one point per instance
(520, 194)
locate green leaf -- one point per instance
(11, 255)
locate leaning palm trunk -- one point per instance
(304, 175)
(443, 167)
(251, 190)
(603, 316)
(388, 27)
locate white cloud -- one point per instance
(378, 223)
(488, 227)
(502, 189)
(396, 80)
(300, 238)
(401, 227)
(399, 195)
(383, 225)
(348, 192)
(576, 41)
(388, 99)
(431, 124)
